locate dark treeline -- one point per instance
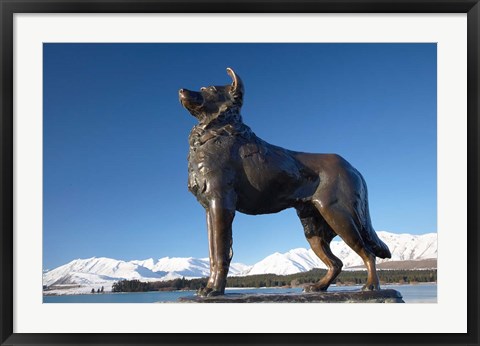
(171, 285)
(272, 280)
(345, 278)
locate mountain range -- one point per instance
(80, 275)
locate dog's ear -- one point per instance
(237, 90)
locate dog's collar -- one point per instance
(201, 134)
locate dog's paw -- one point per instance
(214, 293)
(204, 291)
(371, 287)
(208, 292)
(315, 288)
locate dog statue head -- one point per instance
(215, 102)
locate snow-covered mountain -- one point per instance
(402, 246)
(103, 271)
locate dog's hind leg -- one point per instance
(342, 222)
(319, 234)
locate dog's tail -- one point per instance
(375, 244)
(369, 236)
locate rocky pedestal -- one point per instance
(382, 296)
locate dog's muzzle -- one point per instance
(190, 98)
(182, 95)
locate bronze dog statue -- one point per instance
(231, 169)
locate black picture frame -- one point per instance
(10, 7)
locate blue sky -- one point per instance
(115, 139)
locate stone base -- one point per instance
(382, 296)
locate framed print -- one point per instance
(102, 102)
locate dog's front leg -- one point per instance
(220, 214)
(211, 279)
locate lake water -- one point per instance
(421, 293)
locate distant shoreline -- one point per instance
(54, 294)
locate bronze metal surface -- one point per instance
(231, 169)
